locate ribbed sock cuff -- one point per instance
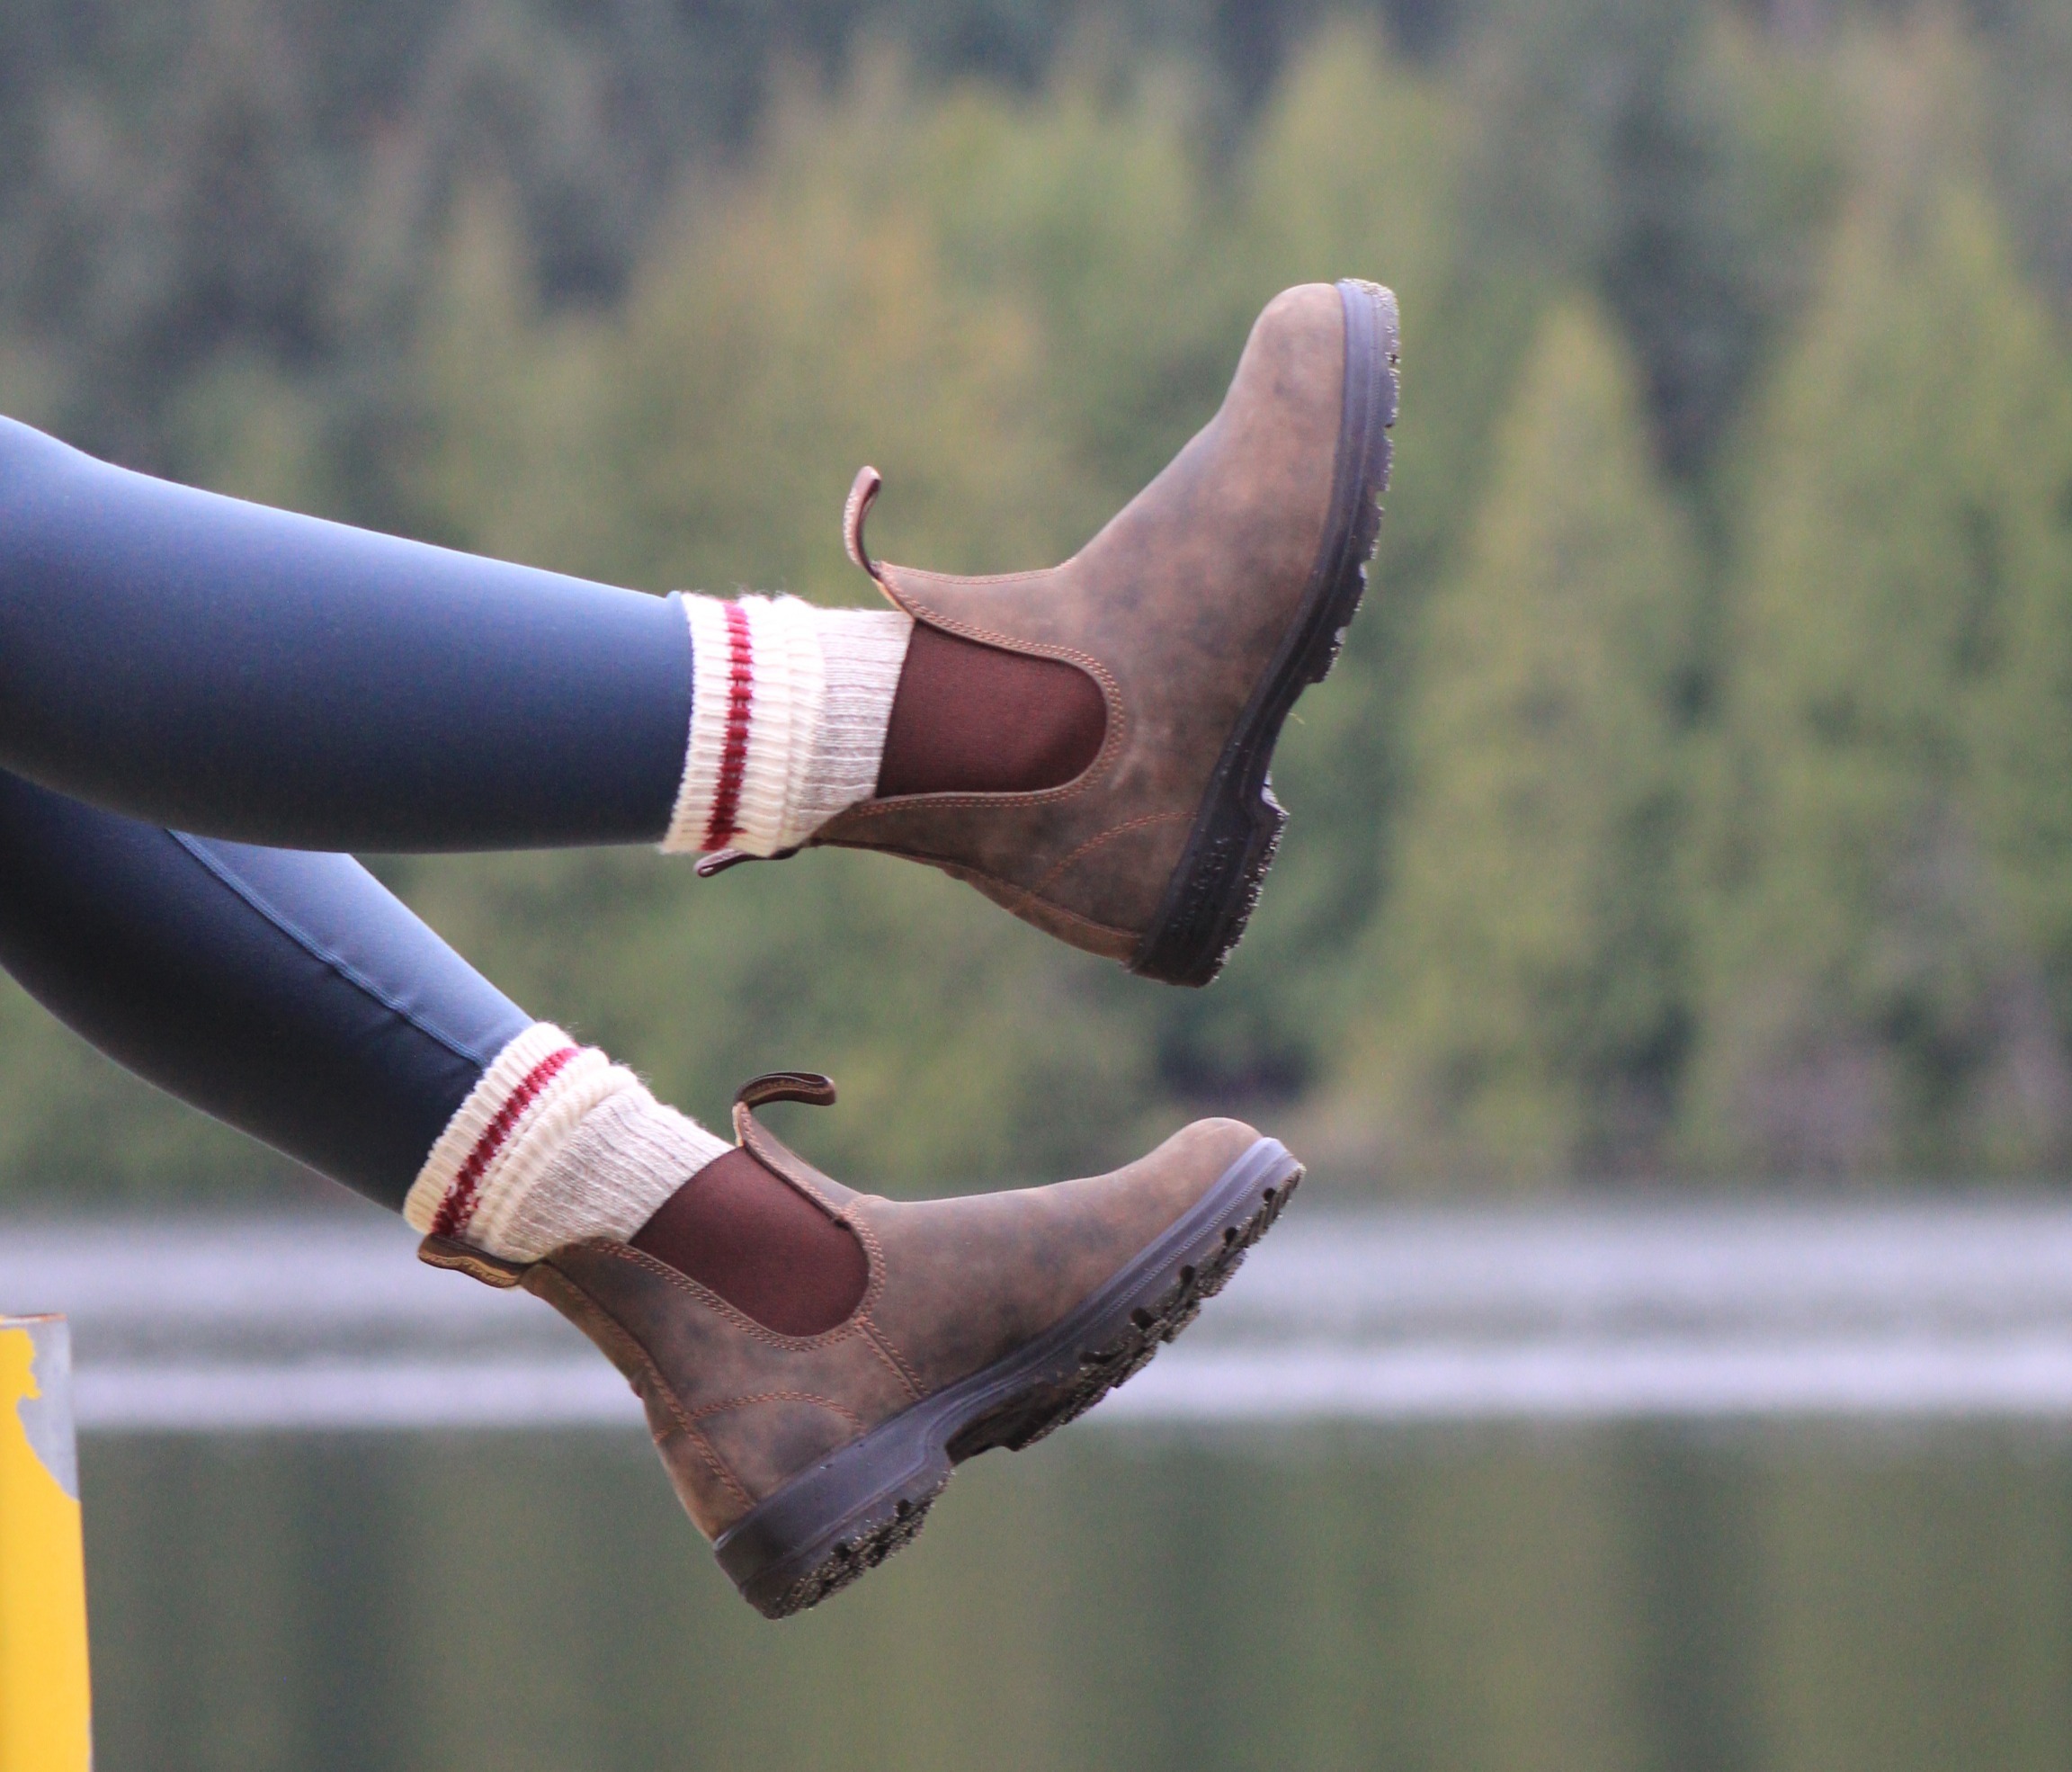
(864, 650)
(789, 708)
(553, 1144)
(755, 699)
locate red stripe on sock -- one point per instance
(459, 1206)
(740, 703)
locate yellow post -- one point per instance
(45, 1716)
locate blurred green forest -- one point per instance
(1690, 801)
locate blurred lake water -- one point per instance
(1592, 1487)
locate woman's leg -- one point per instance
(293, 996)
(813, 1360)
(199, 661)
(249, 674)
(287, 993)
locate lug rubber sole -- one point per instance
(1211, 895)
(843, 1518)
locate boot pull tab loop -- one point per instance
(477, 1264)
(816, 1091)
(721, 860)
(807, 1086)
(862, 494)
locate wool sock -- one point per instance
(799, 712)
(788, 709)
(553, 1144)
(556, 1144)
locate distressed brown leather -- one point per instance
(1175, 610)
(737, 1409)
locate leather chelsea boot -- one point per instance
(1200, 613)
(984, 1321)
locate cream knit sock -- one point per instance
(789, 711)
(553, 1144)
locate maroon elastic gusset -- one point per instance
(744, 1234)
(970, 718)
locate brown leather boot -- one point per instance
(985, 1321)
(1201, 611)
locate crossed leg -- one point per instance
(288, 993)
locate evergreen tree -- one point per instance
(1530, 957)
(1891, 904)
(596, 293)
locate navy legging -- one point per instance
(170, 658)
